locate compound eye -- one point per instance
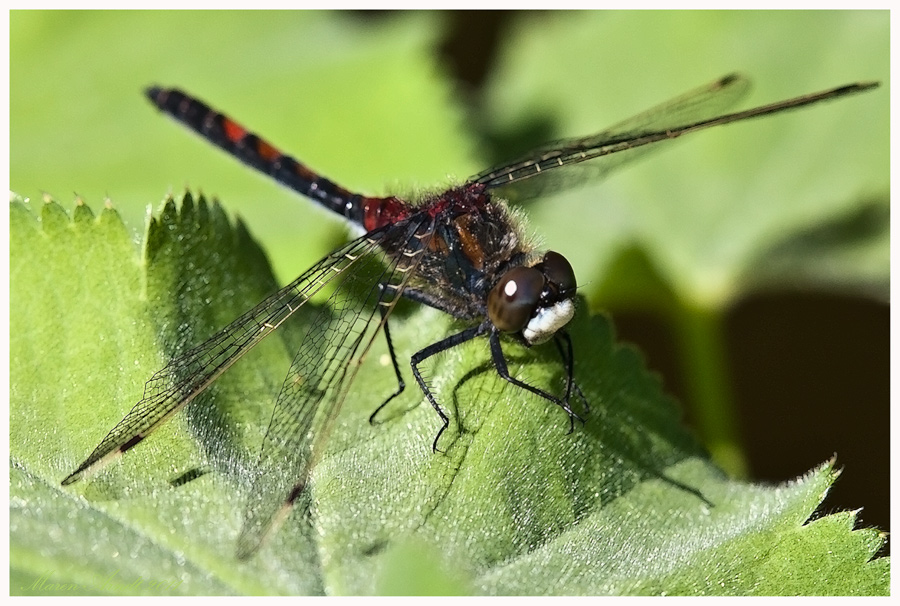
(559, 272)
(512, 302)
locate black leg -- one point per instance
(401, 385)
(503, 371)
(568, 357)
(433, 349)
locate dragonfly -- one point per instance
(459, 251)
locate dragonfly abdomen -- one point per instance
(366, 212)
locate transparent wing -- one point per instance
(184, 377)
(616, 145)
(321, 373)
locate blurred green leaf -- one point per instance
(362, 102)
(708, 211)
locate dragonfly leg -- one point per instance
(503, 371)
(431, 350)
(568, 357)
(401, 385)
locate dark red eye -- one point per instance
(559, 273)
(512, 301)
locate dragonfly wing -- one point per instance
(187, 375)
(614, 146)
(330, 354)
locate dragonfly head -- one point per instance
(535, 301)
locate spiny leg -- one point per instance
(503, 371)
(401, 385)
(568, 357)
(431, 350)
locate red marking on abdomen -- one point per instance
(234, 131)
(268, 152)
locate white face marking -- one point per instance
(510, 289)
(547, 321)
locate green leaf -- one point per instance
(626, 504)
(86, 303)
